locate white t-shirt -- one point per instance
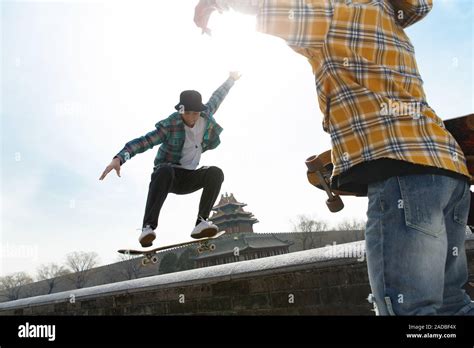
(192, 147)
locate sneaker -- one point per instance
(204, 229)
(147, 237)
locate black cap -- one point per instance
(190, 101)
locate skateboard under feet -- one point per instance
(151, 257)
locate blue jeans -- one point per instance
(414, 239)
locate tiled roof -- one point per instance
(232, 217)
(228, 200)
(226, 244)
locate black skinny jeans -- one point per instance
(180, 181)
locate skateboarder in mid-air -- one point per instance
(184, 136)
(386, 140)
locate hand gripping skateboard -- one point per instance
(150, 256)
(319, 174)
(320, 166)
(462, 129)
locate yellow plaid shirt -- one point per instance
(369, 88)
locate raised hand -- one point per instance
(202, 13)
(235, 75)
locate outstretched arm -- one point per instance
(142, 144)
(205, 8)
(219, 95)
(134, 147)
(408, 12)
(302, 23)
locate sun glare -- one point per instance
(236, 39)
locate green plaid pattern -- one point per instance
(170, 133)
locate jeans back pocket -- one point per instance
(421, 205)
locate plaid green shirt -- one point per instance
(171, 134)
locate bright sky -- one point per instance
(79, 79)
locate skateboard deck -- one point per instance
(320, 167)
(462, 129)
(151, 257)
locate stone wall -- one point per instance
(120, 271)
(313, 282)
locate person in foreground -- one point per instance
(386, 141)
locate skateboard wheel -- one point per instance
(335, 204)
(145, 261)
(212, 247)
(314, 164)
(200, 250)
(154, 259)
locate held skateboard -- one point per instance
(150, 256)
(320, 167)
(462, 129)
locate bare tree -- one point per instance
(185, 260)
(351, 225)
(305, 225)
(12, 284)
(169, 263)
(130, 266)
(81, 263)
(50, 274)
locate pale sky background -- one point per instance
(79, 79)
